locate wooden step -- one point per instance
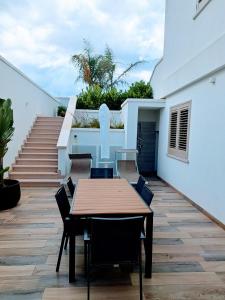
(50, 122)
(40, 182)
(45, 131)
(42, 140)
(37, 162)
(39, 155)
(34, 175)
(37, 150)
(47, 127)
(40, 145)
(50, 119)
(34, 168)
(30, 161)
(43, 135)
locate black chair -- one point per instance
(114, 241)
(101, 173)
(76, 226)
(71, 186)
(139, 185)
(147, 195)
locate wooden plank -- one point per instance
(106, 196)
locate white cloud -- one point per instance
(44, 34)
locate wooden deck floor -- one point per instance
(189, 254)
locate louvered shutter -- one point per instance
(173, 129)
(179, 131)
(183, 129)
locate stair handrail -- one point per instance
(63, 144)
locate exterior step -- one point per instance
(45, 135)
(37, 144)
(37, 150)
(37, 162)
(33, 175)
(50, 122)
(34, 168)
(30, 161)
(42, 140)
(50, 119)
(45, 131)
(39, 155)
(40, 182)
(47, 127)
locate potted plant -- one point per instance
(61, 111)
(9, 188)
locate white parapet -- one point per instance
(63, 144)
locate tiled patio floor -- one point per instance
(189, 254)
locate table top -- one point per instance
(94, 197)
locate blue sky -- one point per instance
(40, 36)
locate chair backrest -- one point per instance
(101, 173)
(147, 195)
(80, 156)
(63, 203)
(115, 240)
(140, 184)
(71, 186)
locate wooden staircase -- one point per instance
(37, 162)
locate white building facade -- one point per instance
(191, 79)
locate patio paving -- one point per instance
(188, 254)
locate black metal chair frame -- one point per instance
(147, 195)
(139, 185)
(71, 186)
(69, 226)
(98, 173)
(89, 246)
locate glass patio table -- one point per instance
(114, 198)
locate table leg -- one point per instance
(72, 258)
(148, 246)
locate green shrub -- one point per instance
(6, 132)
(140, 90)
(61, 111)
(119, 125)
(93, 97)
(94, 123)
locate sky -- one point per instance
(40, 37)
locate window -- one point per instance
(179, 130)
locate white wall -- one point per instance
(202, 179)
(87, 140)
(64, 141)
(130, 109)
(194, 46)
(28, 101)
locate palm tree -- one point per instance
(99, 69)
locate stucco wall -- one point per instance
(194, 46)
(87, 140)
(202, 179)
(28, 101)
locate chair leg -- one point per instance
(88, 272)
(140, 273)
(85, 257)
(66, 243)
(60, 251)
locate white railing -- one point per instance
(63, 144)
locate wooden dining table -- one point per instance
(114, 198)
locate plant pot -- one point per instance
(9, 194)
